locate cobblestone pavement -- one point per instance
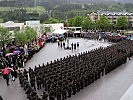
(109, 87)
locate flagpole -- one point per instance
(67, 33)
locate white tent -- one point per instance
(77, 32)
(60, 31)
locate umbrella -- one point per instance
(8, 54)
(6, 70)
(16, 52)
(12, 46)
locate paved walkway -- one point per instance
(129, 94)
(51, 51)
(109, 87)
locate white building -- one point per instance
(40, 28)
(12, 26)
(33, 22)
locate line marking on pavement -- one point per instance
(128, 94)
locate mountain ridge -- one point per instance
(101, 1)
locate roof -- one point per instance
(114, 13)
(11, 24)
(60, 31)
(77, 32)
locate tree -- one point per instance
(122, 23)
(128, 7)
(20, 37)
(47, 29)
(71, 22)
(30, 33)
(103, 23)
(52, 20)
(43, 17)
(42, 29)
(77, 21)
(96, 25)
(5, 36)
(87, 23)
(19, 15)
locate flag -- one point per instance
(66, 23)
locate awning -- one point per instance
(60, 31)
(77, 32)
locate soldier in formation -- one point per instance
(66, 76)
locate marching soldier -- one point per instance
(38, 81)
(32, 82)
(45, 96)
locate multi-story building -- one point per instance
(112, 16)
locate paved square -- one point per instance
(109, 87)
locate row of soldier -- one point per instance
(27, 86)
(114, 39)
(103, 36)
(91, 35)
(67, 76)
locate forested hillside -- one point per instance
(57, 9)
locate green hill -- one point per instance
(37, 9)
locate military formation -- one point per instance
(91, 35)
(103, 36)
(66, 76)
(114, 39)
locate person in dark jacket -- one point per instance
(45, 96)
(14, 74)
(1, 97)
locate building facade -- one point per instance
(12, 26)
(112, 16)
(40, 28)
